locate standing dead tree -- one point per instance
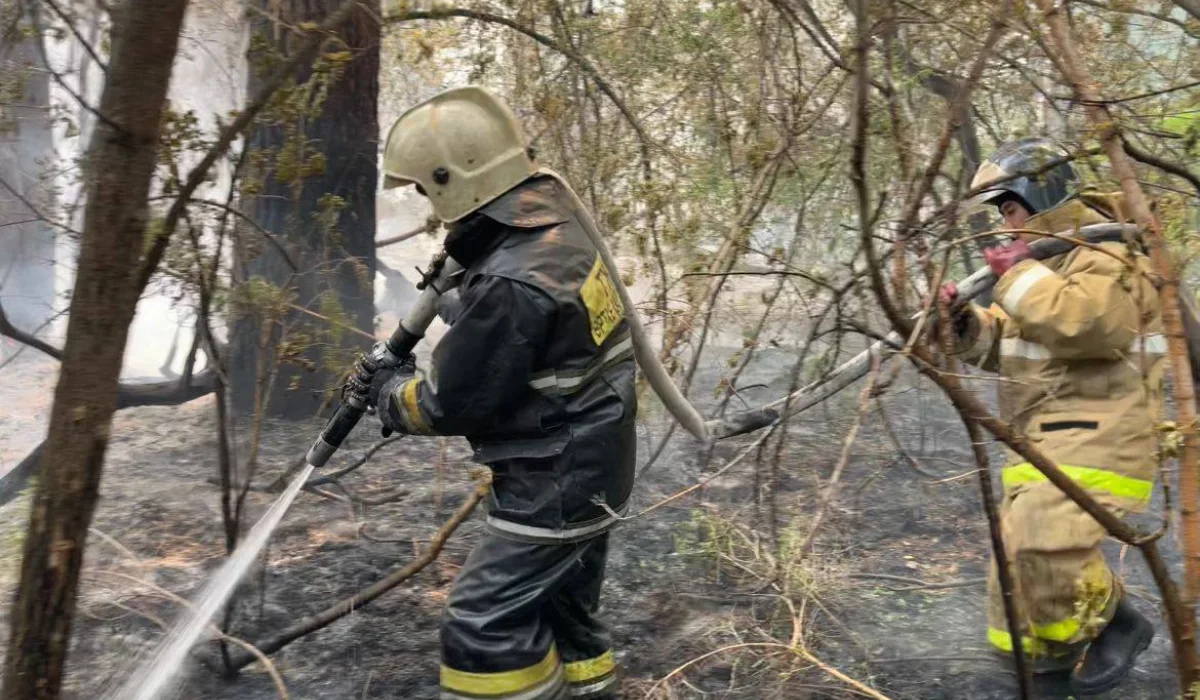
(146, 37)
(120, 253)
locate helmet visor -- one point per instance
(990, 172)
(391, 183)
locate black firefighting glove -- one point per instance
(368, 366)
(384, 385)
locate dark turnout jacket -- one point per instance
(537, 370)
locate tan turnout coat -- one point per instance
(1078, 342)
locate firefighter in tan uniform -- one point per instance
(537, 372)
(1079, 343)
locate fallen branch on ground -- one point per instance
(167, 393)
(376, 499)
(919, 585)
(344, 607)
(902, 454)
(249, 648)
(334, 476)
(699, 484)
(795, 646)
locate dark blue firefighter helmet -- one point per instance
(1043, 189)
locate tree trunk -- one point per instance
(27, 243)
(340, 265)
(122, 157)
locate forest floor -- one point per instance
(681, 581)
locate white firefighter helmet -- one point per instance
(462, 147)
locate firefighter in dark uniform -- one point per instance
(537, 372)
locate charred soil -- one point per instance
(892, 595)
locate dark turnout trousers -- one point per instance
(521, 623)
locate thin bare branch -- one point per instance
(571, 55)
(69, 21)
(344, 607)
(234, 130)
(1162, 164)
(8, 330)
(831, 486)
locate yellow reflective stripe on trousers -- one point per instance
(503, 682)
(1002, 640)
(1062, 631)
(1088, 477)
(590, 669)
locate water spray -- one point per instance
(158, 675)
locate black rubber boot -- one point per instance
(1061, 663)
(1111, 656)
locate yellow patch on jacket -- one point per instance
(603, 303)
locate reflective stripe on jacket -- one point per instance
(1079, 342)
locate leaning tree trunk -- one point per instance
(121, 160)
(27, 241)
(334, 258)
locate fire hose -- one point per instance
(159, 672)
(979, 282)
(412, 328)
(445, 275)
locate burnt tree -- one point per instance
(316, 194)
(121, 160)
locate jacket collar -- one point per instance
(535, 203)
(1082, 210)
(1069, 215)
